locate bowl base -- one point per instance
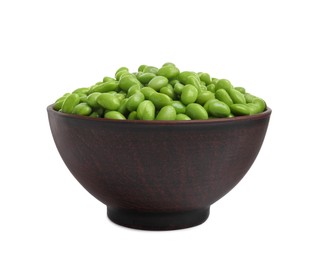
(157, 220)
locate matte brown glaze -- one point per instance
(158, 167)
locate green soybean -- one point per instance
(122, 69)
(146, 110)
(223, 95)
(120, 74)
(214, 80)
(205, 77)
(223, 84)
(158, 82)
(94, 114)
(211, 88)
(142, 67)
(126, 82)
(82, 109)
(107, 79)
(132, 115)
(195, 81)
(218, 108)
(70, 102)
(59, 102)
(189, 94)
(173, 82)
(204, 96)
(169, 71)
(241, 89)
(253, 108)
(160, 100)
(178, 88)
(184, 77)
(260, 103)
(179, 107)
(133, 89)
(249, 97)
(123, 106)
(147, 91)
(237, 96)
(206, 105)
(114, 115)
(150, 69)
(196, 112)
(81, 90)
(240, 109)
(134, 101)
(167, 113)
(144, 78)
(182, 117)
(168, 91)
(92, 99)
(104, 87)
(108, 101)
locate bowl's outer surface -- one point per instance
(166, 166)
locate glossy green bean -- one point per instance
(114, 115)
(108, 101)
(134, 101)
(167, 113)
(82, 109)
(189, 94)
(163, 93)
(146, 110)
(70, 102)
(160, 100)
(158, 82)
(218, 108)
(196, 112)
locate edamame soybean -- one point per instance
(218, 108)
(240, 109)
(108, 101)
(182, 117)
(126, 82)
(162, 94)
(196, 112)
(158, 82)
(179, 106)
(160, 100)
(82, 109)
(169, 71)
(145, 78)
(70, 102)
(223, 84)
(114, 115)
(237, 96)
(204, 96)
(146, 110)
(147, 91)
(223, 95)
(168, 90)
(134, 101)
(167, 113)
(189, 94)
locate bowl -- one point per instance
(158, 175)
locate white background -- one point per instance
(52, 47)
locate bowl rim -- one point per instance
(262, 115)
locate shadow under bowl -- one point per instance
(158, 175)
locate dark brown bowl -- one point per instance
(158, 175)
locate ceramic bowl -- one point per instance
(158, 175)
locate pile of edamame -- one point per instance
(163, 93)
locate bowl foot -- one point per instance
(157, 220)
